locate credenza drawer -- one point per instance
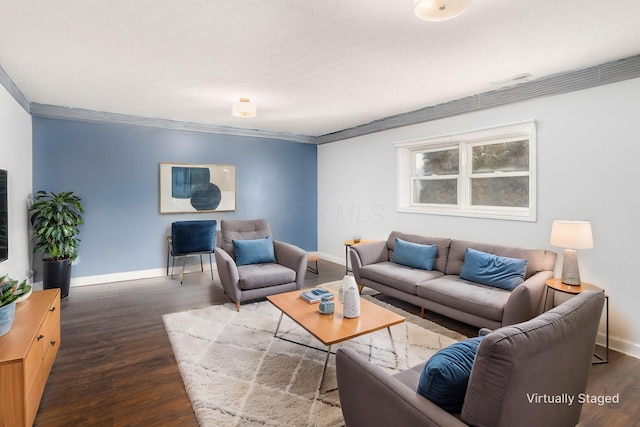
(50, 351)
(33, 362)
(32, 398)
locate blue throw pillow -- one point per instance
(493, 270)
(258, 251)
(414, 254)
(445, 377)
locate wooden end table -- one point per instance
(557, 286)
(333, 328)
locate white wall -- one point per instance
(588, 155)
(15, 157)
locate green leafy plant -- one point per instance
(55, 218)
(10, 290)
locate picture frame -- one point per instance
(193, 188)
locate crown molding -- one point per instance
(611, 72)
(13, 90)
(81, 114)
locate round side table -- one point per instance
(557, 286)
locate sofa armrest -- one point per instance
(526, 300)
(370, 397)
(367, 253)
(292, 257)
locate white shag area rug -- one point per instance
(237, 373)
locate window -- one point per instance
(487, 173)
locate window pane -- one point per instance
(506, 157)
(444, 162)
(441, 191)
(509, 191)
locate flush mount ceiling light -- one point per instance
(440, 10)
(244, 108)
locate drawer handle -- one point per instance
(40, 337)
(52, 309)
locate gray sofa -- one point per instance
(549, 355)
(441, 289)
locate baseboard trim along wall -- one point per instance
(615, 343)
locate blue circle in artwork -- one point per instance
(207, 199)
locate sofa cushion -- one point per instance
(473, 298)
(397, 276)
(254, 251)
(446, 374)
(414, 254)
(493, 270)
(254, 276)
(440, 262)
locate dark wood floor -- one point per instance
(115, 366)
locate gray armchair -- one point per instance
(257, 280)
(548, 355)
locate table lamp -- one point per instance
(571, 235)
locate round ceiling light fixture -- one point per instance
(244, 108)
(440, 10)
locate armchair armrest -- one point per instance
(292, 257)
(228, 272)
(367, 253)
(526, 300)
(372, 398)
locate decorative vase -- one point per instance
(326, 305)
(349, 296)
(7, 314)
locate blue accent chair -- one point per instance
(191, 238)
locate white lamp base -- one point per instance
(570, 270)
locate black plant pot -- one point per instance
(57, 274)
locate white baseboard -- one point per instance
(615, 343)
(620, 345)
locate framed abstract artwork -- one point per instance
(188, 188)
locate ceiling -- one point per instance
(311, 67)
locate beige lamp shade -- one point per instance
(572, 234)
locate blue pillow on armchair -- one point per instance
(256, 251)
(414, 254)
(445, 377)
(493, 270)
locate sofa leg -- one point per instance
(422, 312)
(360, 288)
(238, 306)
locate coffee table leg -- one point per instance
(393, 344)
(279, 321)
(324, 369)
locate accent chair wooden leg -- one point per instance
(422, 312)
(238, 306)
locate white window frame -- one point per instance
(464, 142)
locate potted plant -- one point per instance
(55, 218)
(10, 291)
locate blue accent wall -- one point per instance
(114, 169)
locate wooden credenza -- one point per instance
(27, 353)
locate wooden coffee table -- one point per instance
(333, 328)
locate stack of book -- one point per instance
(315, 295)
